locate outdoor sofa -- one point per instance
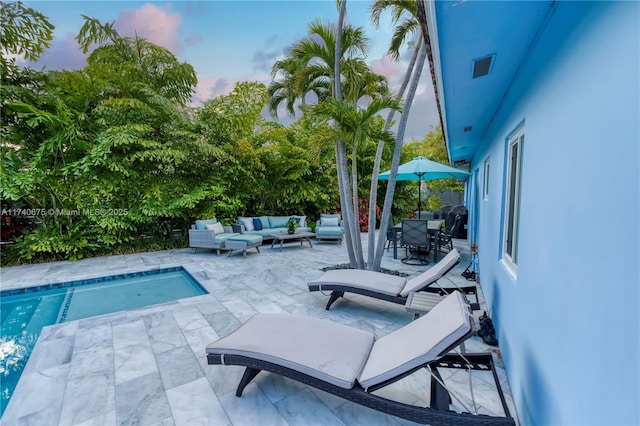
(210, 234)
(390, 287)
(353, 364)
(268, 225)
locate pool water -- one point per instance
(25, 311)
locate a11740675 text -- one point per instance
(65, 212)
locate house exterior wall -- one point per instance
(568, 323)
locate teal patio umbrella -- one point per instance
(422, 169)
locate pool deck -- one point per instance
(148, 366)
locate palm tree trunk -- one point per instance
(341, 152)
(376, 170)
(402, 125)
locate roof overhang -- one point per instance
(491, 39)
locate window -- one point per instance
(512, 205)
(486, 179)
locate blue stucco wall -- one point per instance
(569, 324)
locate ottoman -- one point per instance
(243, 242)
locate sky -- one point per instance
(231, 41)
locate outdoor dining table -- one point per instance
(433, 228)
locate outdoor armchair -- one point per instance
(329, 227)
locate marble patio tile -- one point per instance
(330, 400)
(288, 289)
(483, 393)
(92, 362)
(239, 308)
(38, 391)
(301, 309)
(93, 337)
(222, 322)
(189, 318)
(163, 331)
(129, 333)
(399, 393)
(280, 298)
(178, 366)
(224, 379)
(165, 422)
(49, 353)
(277, 387)
(106, 419)
(194, 403)
(205, 303)
(199, 338)
(353, 414)
(57, 331)
(141, 401)
(253, 408)
(134, 361)
(87, 397)
(305, 408)
(267, 307)
(39, 418)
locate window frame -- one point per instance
(485, 183)
(513, 194)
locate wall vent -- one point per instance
(482, 66)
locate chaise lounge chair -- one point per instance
(390, 287)
(352, 364)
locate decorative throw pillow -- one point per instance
(217, 228)
(329, 221)
(257, 224)
(296, 218)
(248, 224)
(302, 221)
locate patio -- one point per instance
(148, 366)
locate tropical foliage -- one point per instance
(110, 158)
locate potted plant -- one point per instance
(292, 225)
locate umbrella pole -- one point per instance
(419, 199)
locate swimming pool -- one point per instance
(25, 311)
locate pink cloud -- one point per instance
(157, 25)
(394, 71)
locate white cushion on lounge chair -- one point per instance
(432, 274)
(323, 349)
(420, 341)
(368, 280)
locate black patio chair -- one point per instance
(445, 237)
(415, 239)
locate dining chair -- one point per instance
(446, 235)
(415, 238)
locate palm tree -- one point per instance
(404, 13)
(330, 58)
(291, 83)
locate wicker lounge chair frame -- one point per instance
(437, 413)
(338, 290)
